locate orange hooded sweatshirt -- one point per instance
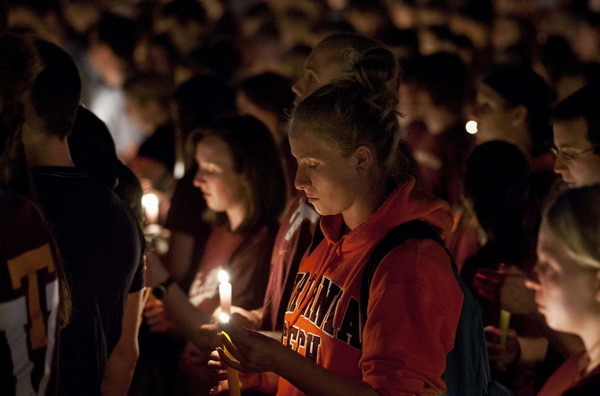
(414, 303)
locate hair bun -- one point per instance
(377, 68)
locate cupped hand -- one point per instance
(501, 356)
(157, 318)
(249, 351)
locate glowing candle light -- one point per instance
(225, 292)
(504, 323)
(151, 203)
(224, 318)
(471, 127)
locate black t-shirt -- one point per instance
(160, 146)
(102, 251)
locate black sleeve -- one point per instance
(139, 279)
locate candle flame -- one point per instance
(223, 317)
(149, 201)
(471, 127)
(223, 276)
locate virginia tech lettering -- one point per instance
(321, 310)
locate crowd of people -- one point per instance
(403, 196)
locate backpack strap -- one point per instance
(467, 371)
(415, 229)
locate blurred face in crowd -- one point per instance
(565, 290)
(223, 189)
(139, 114)
(576, 162)
(496, 120)
(318, 71)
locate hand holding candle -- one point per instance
(225, 297)
(233, 377)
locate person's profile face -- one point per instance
(576, 162)
(493, 116)
(565, 290)
(328, 178)
(222, 188)
(319, 70)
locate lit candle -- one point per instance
(225, 292)
(504, 323)
(151, 203)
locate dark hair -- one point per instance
(19, 65)
(520, 85)
(218, 55)
(496, 180)
(3, 16)
(350, 113)
(201, 100)
(93, 149)
(583, 103)
(56, 91)
(148, 86)
(186, 10)
(129, 190)
(444, 77)
(254, 154)
(590, 71)
(555, 55)
(119, 33)
(269, 91)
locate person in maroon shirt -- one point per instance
(242, 181)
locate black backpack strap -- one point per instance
(415, 229)
(467, 371)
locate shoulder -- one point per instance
(23, 225)
(421, 262)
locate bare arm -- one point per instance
(180, 256)
(121, 364)
(187, 316)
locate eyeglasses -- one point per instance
(568, 157)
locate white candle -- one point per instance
(225, 292)
(151, 204)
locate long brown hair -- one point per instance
(255, 155)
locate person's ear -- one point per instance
(363, 158)
(520, 114)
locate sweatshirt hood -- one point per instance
(404, 204)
